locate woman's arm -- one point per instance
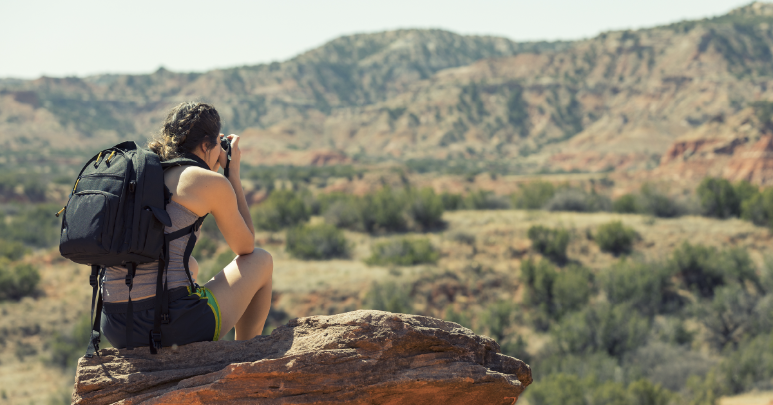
(241, 200)
(234, 177)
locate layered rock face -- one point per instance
(361, 357)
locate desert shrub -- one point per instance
(729, 317)
(667, 364)
(462, 317)
(67, 348)
(614, 329)
(576, 200)
(12, 250)
(33, 225)
(205, 248)
(646, 287)
(344, 213)
(557, 389)
(463, 238)
(452, 202)
(627, 204)
(616, 238)
(497, 318)
(551, 243)
(552, 293)
(485, 200)
(221, 261)
(655, 203)
(383, 211)
(697, 267)
(209, 229)
(759, 208)
(749, 367)
(19, 281)
(29, 184)
(745, 191)
(643, 392)
(388, 296)
(403, 252)
(718, 198)
(533, 195)
(316, 242)
(283, 208)
(737, 266)
(425, 208)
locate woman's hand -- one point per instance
(236, 154)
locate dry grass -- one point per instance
(319, 287)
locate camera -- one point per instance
(226, 145)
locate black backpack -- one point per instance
(115, 216)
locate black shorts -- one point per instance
(193, 317)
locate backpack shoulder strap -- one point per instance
(188, 159)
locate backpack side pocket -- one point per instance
(87, 227)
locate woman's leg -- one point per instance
(243, 293)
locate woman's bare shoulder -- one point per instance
(197, 188)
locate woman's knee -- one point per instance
(259, 259)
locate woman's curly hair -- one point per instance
(187, 126)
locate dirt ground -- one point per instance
(493, 239)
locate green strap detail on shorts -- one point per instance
(206, 293)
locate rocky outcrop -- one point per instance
(754, 165)
(361, 357)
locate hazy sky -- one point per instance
(82, 37)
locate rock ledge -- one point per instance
(360, 357)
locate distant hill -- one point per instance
(621, 101)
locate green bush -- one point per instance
(388, 296)
(718, 198)
(729, 317)
(577, 200)
(552, 293)
(613, 237)
(613, 329)
(425, 208)
(627, 204)
(497, 318)
(745, 191)
(557, 389)
(452, 202)
(485, 200)
(655, 203)
(33, 225)
(67, 348)
(698, 268)
(551, 243)
(283, 208)
(384, 211)
(646, 287)
(19, 281)
(205, 248)
(344, 212)
(533, 195)
(759, 208)
(317, 242)
(403, 252)
(12, 250)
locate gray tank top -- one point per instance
(114, 287)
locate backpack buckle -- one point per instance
(93, 280)
(155, 342)
(129, 281)
(164, 318)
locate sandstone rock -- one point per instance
(361, 357)
(754, 165)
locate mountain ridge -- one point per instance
(616, 102)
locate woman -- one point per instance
(239, 296)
